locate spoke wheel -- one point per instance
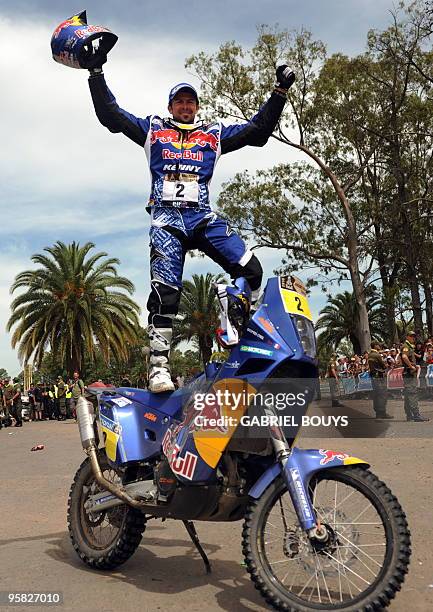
(107, 539)
(360, 566)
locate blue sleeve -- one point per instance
(258, 130)
(112, 116)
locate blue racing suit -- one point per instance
(182, 159)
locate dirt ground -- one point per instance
(166, 573)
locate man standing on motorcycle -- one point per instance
(182, 154)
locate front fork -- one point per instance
(295, 484)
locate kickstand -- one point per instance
(189, 526)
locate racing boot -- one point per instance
(159, 374)
(235, 302)
(160, 380)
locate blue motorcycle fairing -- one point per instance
(168, 403)
(271, 335)
(300, 466)
(134, 430)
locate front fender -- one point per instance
(307, 462)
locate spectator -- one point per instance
(342, 366)
(428, 355)
(125, 382)
(419, 353)
(69, 399)
(77, 390)
(54, 406)
(38, 403)
(377, 368)
(332, 374)
(8, 393)
(61, 398)
(352, 368)
(17, 403)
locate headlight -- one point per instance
(306, 335)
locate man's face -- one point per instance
(184, 107)
(76, 375)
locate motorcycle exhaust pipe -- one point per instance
(101, 502)
(85, 419)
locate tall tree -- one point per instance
(73, 303)
(338, 321)
(200, 314)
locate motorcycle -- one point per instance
(321, 531)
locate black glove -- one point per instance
(92, 58)
(285, 77)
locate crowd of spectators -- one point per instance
(357, 364)
(54, 400)
(43, 401)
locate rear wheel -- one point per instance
(360, 567)
(107, 539)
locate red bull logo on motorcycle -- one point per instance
(211, 417)
(183, 466)
(330, 455)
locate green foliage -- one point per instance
(338, 321)
(3, 373)
(72, 304)
(200, 314)
(182, 364)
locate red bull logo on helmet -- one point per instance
(330, 455)
(84, 33)
(76, 20)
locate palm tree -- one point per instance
(200, 311)
(339, 317)
(69, 307)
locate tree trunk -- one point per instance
(409, 252)
(388, 279)
(363, 325)
(206, 349)
(416, 304)
(428, 308)
(389, 307)
(351, 243)
(356, 345)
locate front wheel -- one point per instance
(360, 567)
(107, 539)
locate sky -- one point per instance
(65, 177)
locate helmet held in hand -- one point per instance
(76, 44)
